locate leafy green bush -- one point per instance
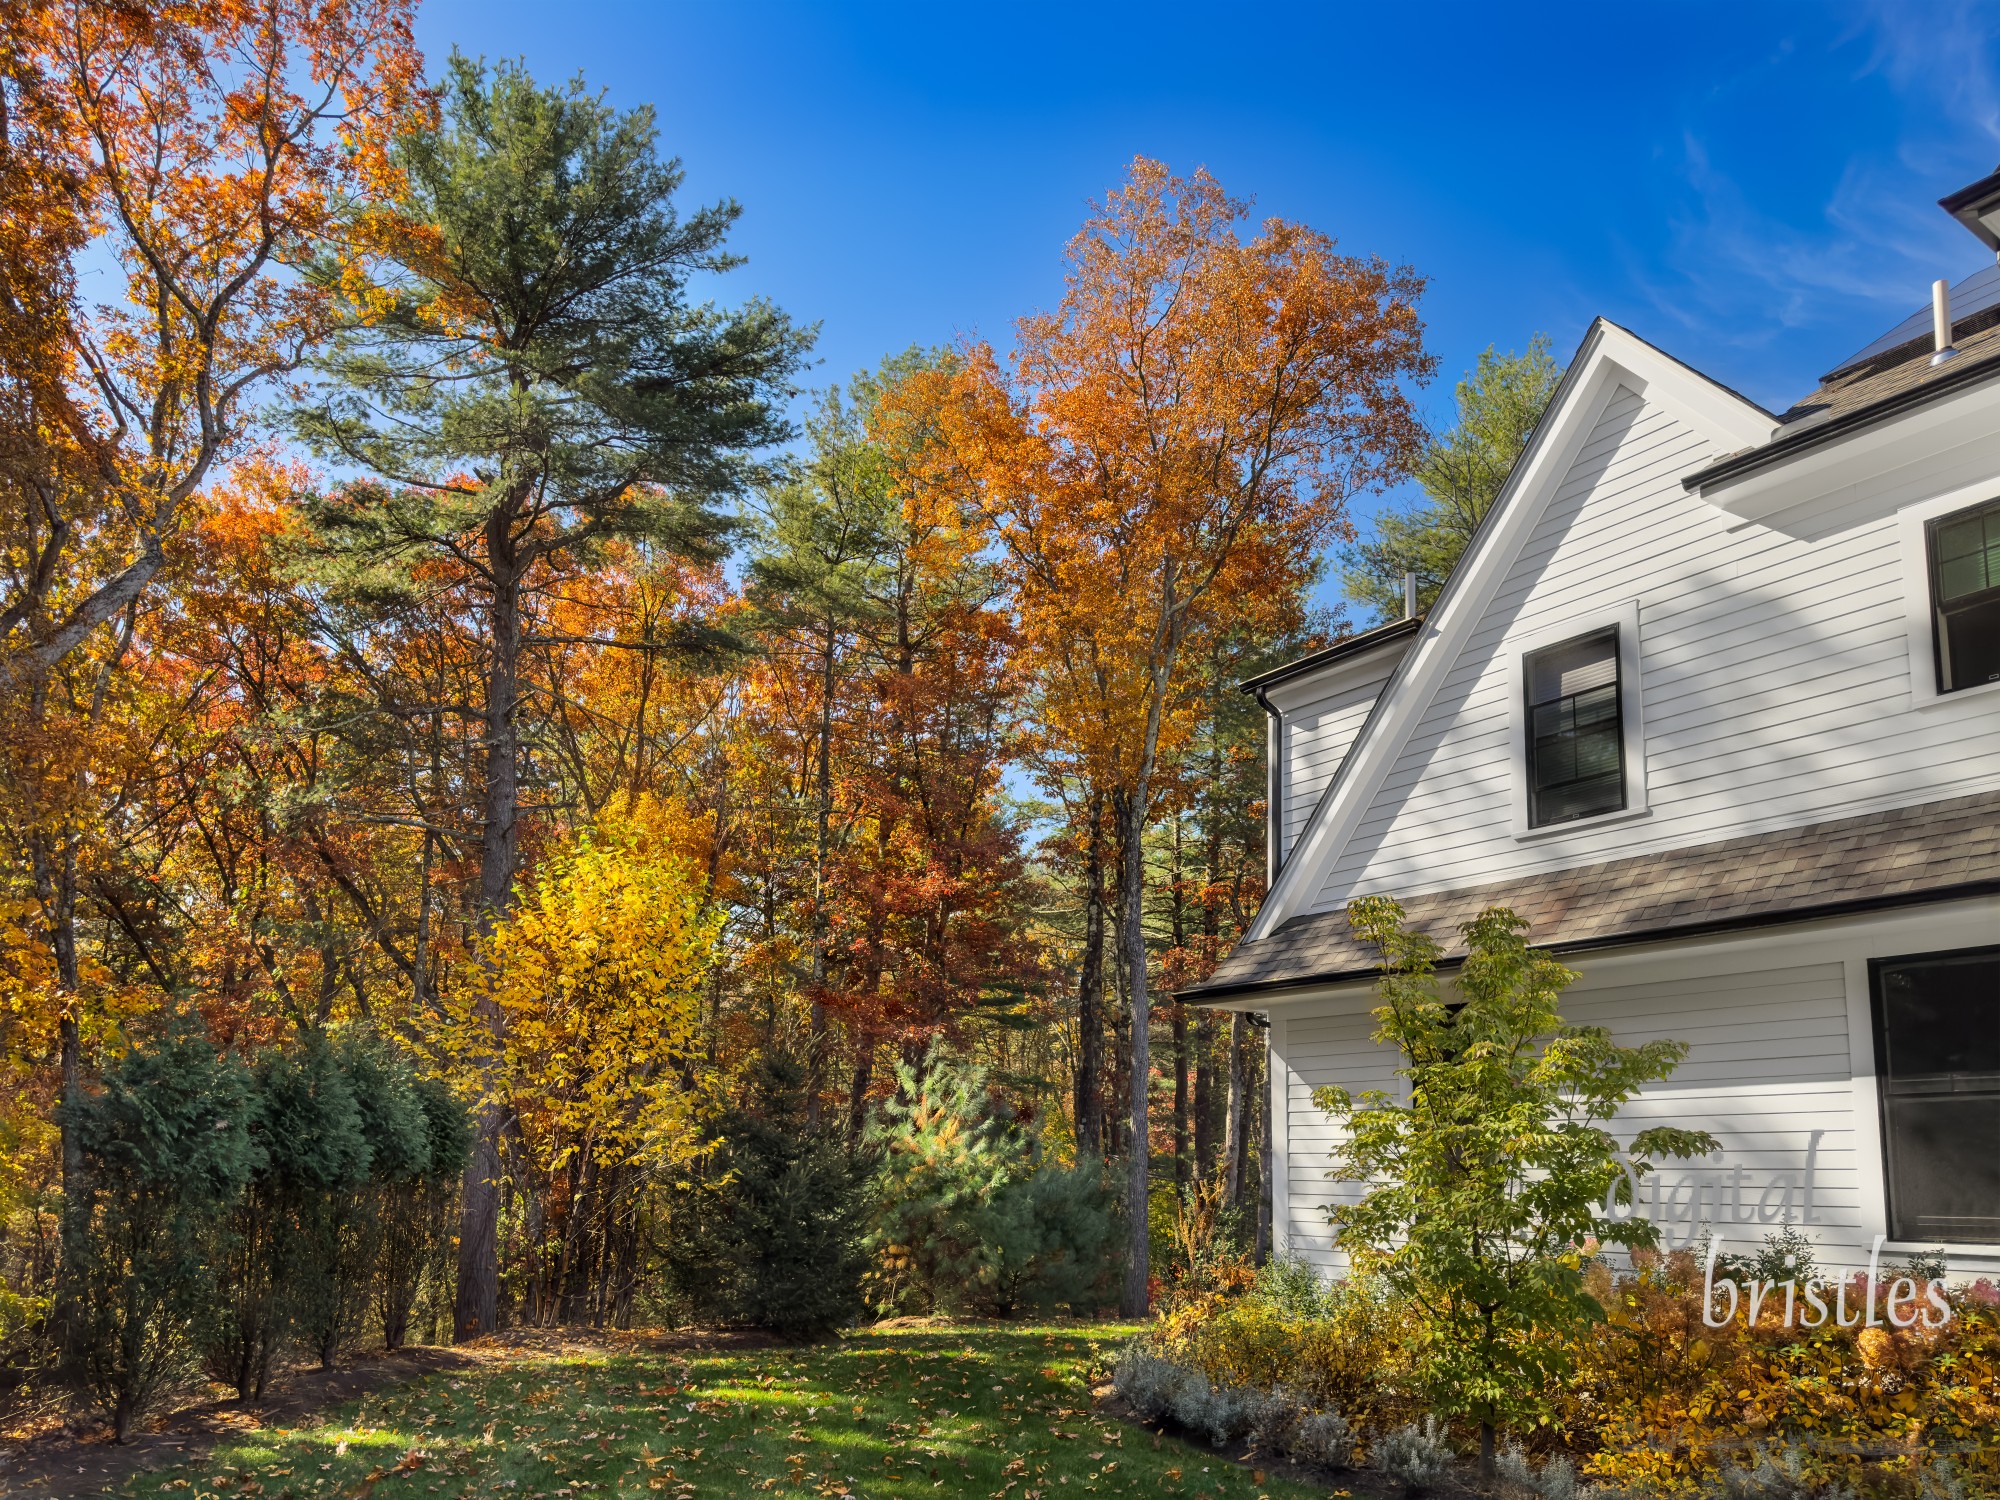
(167, 1149)
(1480, 1180)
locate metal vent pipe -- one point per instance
(1941, 322)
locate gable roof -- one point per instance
(1871, 860)
(1609, 358)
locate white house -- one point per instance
(1714, 701)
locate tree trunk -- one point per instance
(1118, 1071)
(1181, 1164)
(55, 888)
(1090, 1139)
(477, 1306)
(1236, 1138)
(1204, 1095)
(823, 787)
(857, 1092)
(1131, 919)
(1487, 1473)
(1178, 907)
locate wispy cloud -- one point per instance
(1736, 274)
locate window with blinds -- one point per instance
(1937, 1059)
(1576, 737)
(1965, 596)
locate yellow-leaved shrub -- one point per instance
(1657, 1403)
(1660, 1401)
(595, 982)
(1349, 1353)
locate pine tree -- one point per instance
(531, 384)
(773, 1237)
(1461, 472)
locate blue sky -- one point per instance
(1750, 186)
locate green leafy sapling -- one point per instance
(1486, 1179)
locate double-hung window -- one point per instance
(1937, 1064)
(1576, 732)
(1965, 596)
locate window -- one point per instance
(1965, 596)
(1937, 1059)
(1576, 734)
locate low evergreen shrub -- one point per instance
(1054, 1241)
(418, 1213)
(395, 1138)
(166, 1150)
(279, 1265)
(770, 1233)
(969, 1218)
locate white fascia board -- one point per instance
(1897, 462)
(1609, 358)
(1282, 1002)
(1350, 671)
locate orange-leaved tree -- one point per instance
(206, 148)
(197, 151)
(1159, 461)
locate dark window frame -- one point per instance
(1986, 598)
(1879, 1035)
(1529, 705)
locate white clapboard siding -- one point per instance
(1317, 735)
(1774, 681)
(1768, 1065)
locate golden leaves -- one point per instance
(595, 982)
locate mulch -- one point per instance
(74, 1460)
(1362, 1484)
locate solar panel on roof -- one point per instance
(1975, 294)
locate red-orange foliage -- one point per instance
(205, 146)
(1160, 462)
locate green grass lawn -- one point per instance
(914, 1411)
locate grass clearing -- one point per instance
(934, 1410)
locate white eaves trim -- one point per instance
(1876, 470)
(1362, 667)
(1609, 358)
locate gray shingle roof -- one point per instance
(1901, 369)
(1882, 858)
(1876, 390)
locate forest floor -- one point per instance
(906, 1409)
